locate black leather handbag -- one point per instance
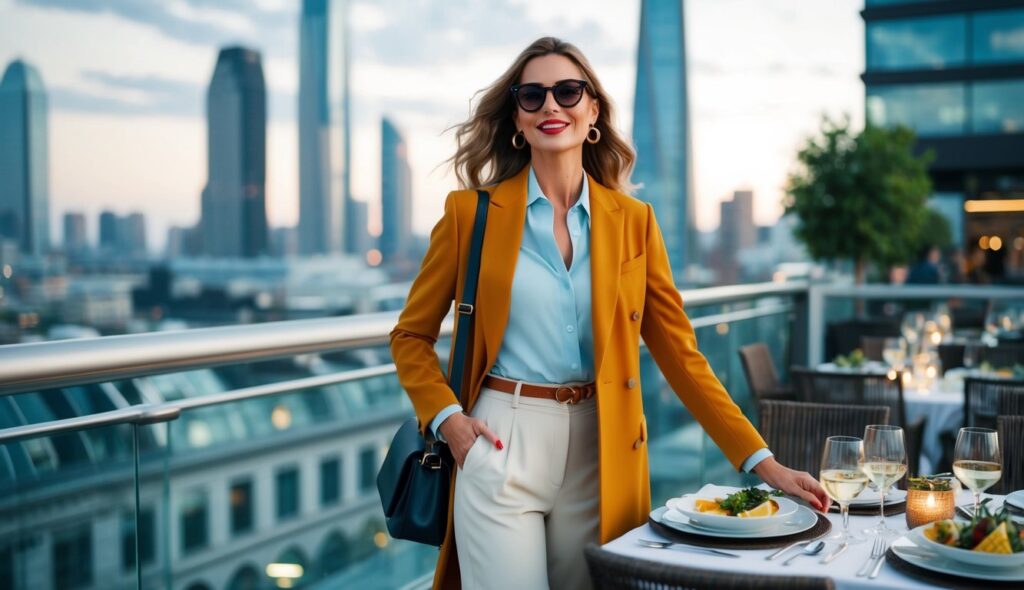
(416, 476)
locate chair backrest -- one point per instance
(796, 431)
(858, 389)
(872, 347)
(1002, 356)
(759, 368)
(951, 356)
(986, 398)
(612, 571)
(1011, 442)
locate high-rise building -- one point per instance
(661, 129)
(954, 72)
(324, 129)
(234, 219)
(736, 232)
(110, 229)
(24, 159)
(132, 234)
(76, 239)
(395, 192)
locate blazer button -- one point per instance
(635, 316)
(631, 383)
(638, 443)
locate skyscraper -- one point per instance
(24, 159)
(324, 130)
(109, 232)
(395, 192)
(661, 128)
(234, 219)
(75, 237)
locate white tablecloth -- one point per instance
(843, 569)
(944, 409)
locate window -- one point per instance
(147, 538)
(194, 527)
(367, 469)
(72, 558)
(919, 43)
(998, 36)
(287, 493)
(998, 107)
(330, 481)
(240, 497)
(930, 109)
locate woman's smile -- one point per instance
(553, 126)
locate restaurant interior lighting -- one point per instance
(995, 243)
(983, 242)
(994, 205)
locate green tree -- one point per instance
(860, 196)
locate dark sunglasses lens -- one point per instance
(531, 98)
(568, 94)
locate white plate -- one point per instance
(804, 519)
(956, 568)
(685, 505)
(1016, 499)
(979, 559)
(870, 497)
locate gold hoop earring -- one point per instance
(590, 137)
(522, 140)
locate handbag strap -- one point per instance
(467, 305)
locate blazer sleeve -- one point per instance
(669, 336)
(429, 301)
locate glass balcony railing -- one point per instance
(246, 457)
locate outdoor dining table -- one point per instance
(842, 570)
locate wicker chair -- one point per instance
(872, 347)
(861, 389)
(761, 375)
(1002, 356)
(611, 571)
(796, 431)
(985, 398)
(1011, 441)
(951, 356)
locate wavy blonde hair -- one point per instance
(485, 154)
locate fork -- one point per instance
(877, 551)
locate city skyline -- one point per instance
(747, 118)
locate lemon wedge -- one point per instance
(996, 542)
(764, 509)
(706, 505)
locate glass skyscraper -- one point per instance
(325, 200)
(661, 128)
(24, 159)
(395, 192)
(234, 222)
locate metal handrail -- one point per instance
(34, 366)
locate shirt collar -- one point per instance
(533, 192)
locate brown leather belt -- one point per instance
(563, 394)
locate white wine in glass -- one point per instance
(842, 478)
(976, 460)
(884, 463)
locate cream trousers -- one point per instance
(524, 514)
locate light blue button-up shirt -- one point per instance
(549, 337)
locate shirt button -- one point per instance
(569, 329)
(635, 316)
(631, 383)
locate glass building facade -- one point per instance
(395, 192)
(661, 129)
(24, 159)
(954, 72)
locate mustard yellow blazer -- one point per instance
(632, 296)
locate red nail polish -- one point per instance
(499, 445)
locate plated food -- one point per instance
(749, 509)
(991, 540)
(748, 503)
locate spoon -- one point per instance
(811, 549)
(667, 544)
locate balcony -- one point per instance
(245, 457)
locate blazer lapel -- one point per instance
(605, 256)
(502, 238)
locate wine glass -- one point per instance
(972, 352)
(912, 328)
(976, 460)
(884, 463)
(894, 352)
(842, 478)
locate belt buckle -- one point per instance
(573, 395)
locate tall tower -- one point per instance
(395, 192)
(24, 159)
(324, 131)
(234, 219)
(661, 128)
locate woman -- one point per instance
(552, 454)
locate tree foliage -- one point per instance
(860, 196)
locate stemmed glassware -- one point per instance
(894, 353)
(884, 463)
(977, 461)
(842, 478)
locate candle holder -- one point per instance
(930, 499)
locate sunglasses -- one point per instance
(531, 97)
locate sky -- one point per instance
(127, 80)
